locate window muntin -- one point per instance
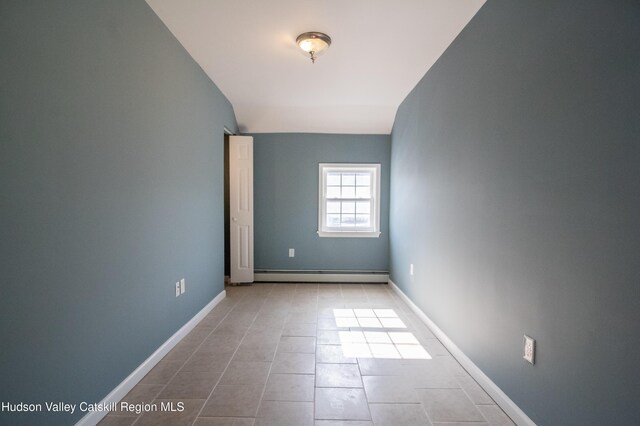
(349, 200)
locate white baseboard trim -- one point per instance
(503, 401)
(325, 277)
(92, 418)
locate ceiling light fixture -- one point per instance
(313, 43)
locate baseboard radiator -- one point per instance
(324, 276)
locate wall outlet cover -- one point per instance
(292, 252)
(529, 349)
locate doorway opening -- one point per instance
(227, 224)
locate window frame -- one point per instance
(351, 232)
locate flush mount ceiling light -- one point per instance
(313, 43)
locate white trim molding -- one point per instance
(503, 401)
(92, 418)
(348, 234)
(372, 170)
(381, 277)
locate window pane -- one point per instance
(333, 207)
(348, 179)
(348, 220)
(362, 220)
(348, 207)
(333, 220)
(363, 192)
(349, 200)
(363, 207)
(333, 192)
(333, 179)
(348, 192)
(363, 179)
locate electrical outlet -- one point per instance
(411, 269)
(529, 349)
(292, 252)
(178, 289)
(182, 286)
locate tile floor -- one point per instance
(311, 354)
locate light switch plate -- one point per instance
(178, 289)
(182, 286)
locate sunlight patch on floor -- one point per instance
(376, 344)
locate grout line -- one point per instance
(185, 361)
(195, 419)
(302, 296)
(196, 350)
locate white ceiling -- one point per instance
(380, 50)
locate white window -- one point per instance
(349, 202)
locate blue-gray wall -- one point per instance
(111, 189)
(286, 201)
(516, 193)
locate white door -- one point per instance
(241, 208)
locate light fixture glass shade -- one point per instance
(313, 43)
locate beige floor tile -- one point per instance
(233, 401)
(261, 353)
(449, 364)
(301, 317)
(207, 362)
(285, 413)
(289, 387)
(257, 348)
(328, 337)
(294, 363)
(172, 418)
(268, 323)
(197, 335)
(142, 393)
(328, 324)
(398, 415)
(494, 415)
(263, 336)
(221, 343)
(224, 421)
(300, 322)
(181, 352)
(162, 372)
(117, 421)
(212, 320)
(449, 405)
(302, 330)
(473, 390)
(297, 344)
(381, 367)
(333, 354)
(327, 305)
(435, 348)
(190, 385)
(389, 389)
(229, 328)
(341, 404)
(246, 373)
(430, 378)
(338, 376)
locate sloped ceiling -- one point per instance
(380, 50)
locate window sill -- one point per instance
(348, 234)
